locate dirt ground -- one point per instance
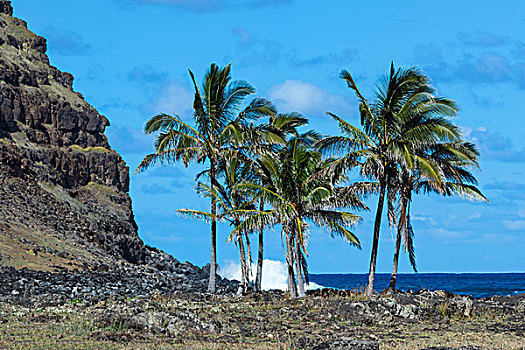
(272, 322)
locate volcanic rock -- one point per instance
(61, 185)
(64, 203)
(347, 344)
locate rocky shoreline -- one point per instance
(164, 305)
(162, 274)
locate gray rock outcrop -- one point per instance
(63, 190)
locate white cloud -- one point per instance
(493, 238)
(445, 234)
(125, 139)
(192, 5)
(212, 5)
(424, 218)
(475, 216)
(174, 98)
(514, 225)
(274, 275)
(306, 98)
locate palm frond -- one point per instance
(199, 215)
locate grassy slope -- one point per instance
(17, 246)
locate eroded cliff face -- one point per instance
(63, 190)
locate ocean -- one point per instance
(478, 285)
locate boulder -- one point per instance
(347, 344)
(451, 348)
(5, 7)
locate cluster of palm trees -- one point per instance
(262, 171)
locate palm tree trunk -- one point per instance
(242, 255)
(212, 285)
(393, 277)
(248, 260)
(375, 243)
(300, 284)
(401, 226)
(292, 287)
(258, 275)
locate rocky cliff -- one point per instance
(64, 203)
(63, 190)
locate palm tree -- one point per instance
(299, 192)
(233, 204)
(382, 144)
(451, 160)
(217, 113)
(237, 167)
(272, 134)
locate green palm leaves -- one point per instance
(261, 174)
(406, 138)
(233, 204)
(299, 191)
(219, 118)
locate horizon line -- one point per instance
(414, 273)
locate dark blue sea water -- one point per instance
(476, 284)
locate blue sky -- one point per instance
(130, 61)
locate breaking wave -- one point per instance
(274, 275)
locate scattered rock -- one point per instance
(449, 348)
(123, 282)
(347, 344)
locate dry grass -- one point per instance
(78, 148)
(276, 324)
(17, 249)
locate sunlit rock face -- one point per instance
(63, 190)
